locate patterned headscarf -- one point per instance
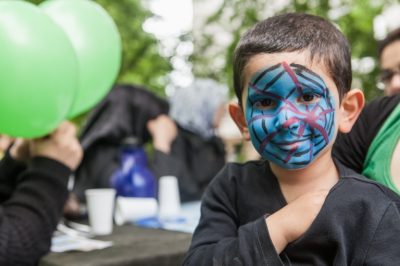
(194, 107)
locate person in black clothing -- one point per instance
(194, 160)
(185, 144)
(195, 156)
(296, 206)
(372, 146)
(124, 112)
(33, 189)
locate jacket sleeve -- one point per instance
(9, 171)
(220, 240)
(384, 247)
(29, 217)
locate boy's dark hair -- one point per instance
(391, 37)
(296, 32)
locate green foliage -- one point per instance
(206, 56)
(354, 17)
(357, 26)
(141, 60)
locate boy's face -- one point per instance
(289, 107)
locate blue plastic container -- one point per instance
(133, 178)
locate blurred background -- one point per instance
(166, 43)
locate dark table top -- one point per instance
(132, 246)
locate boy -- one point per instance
(292, 75)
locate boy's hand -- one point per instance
(61, 145)
(163, 131)
(293, 220)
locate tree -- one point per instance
(354, 17)
(141, 61)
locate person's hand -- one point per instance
(163, 131)
(293, 220)
(20, 150)
(5, 142)
(61, 145)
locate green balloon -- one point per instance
(38, 71)
(97, 44)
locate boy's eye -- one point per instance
(265, 104)
(308, 98)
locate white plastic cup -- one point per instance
(168, 197)
(100, 205)
(129, 209)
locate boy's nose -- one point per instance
(285, 120)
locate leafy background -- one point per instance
(354, 18)
(143, 63)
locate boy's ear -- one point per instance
(351, 106)
(236, 112)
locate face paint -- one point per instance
(290, 114)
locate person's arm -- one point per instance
(384, 248)
(219, 239)
(9, 170)
(292, 221)
(189, 157)
(170, 164)
(12, 164)
(164, 132)
(29, 217)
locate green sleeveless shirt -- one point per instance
(379, 157)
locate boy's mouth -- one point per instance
(289, 143)
(296, 147)
(290, 147)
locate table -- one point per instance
(132, 246)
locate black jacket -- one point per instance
(359, 223)
(32, 200)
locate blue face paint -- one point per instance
(290, 114)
